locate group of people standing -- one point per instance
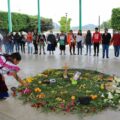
(36, 42)
(106, 39)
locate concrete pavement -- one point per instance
(13, 109)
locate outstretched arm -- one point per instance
(15, 75)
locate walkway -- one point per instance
(13, 109)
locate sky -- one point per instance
(55, 9)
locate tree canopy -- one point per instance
(24, 22)
(65, 24)
(115, 19)
(106, 24)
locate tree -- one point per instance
(65, 24)
(106, 24)
(24, 22)
(115, 19)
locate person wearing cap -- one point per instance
(96, 39)
(106, 37)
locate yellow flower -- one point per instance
(94, 97)
(42, 95)
(73, 97)
(37, 90)
(29, 79)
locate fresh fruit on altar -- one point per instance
(37, 90)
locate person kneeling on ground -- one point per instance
(8, 65)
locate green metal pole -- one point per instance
(80, 15)
(39, 19)
(9, 18)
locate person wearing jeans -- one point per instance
(106, 37)
(88, 42)
(116, 43)
(29, 42)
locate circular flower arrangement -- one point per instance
(77, 91)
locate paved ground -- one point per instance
(13, 109)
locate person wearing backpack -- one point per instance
(8, 65)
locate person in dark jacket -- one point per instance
(35, 42)
(51, 41)
(106, 37)
(17, 41)
(41, 42)
(88, 42)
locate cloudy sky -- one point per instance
(54, 9)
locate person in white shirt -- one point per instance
(79, 40)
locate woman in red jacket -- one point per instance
(116, 43)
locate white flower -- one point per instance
(117, 79)
(117, 91)
(110, 96)
(105, 100)
(102, 95)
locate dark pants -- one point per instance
(35, 47)
(116, 51)
(72, 46)
(3, 88)
(88, 49)
(96, 48)
(105, 50)
(79, 46)
(22, 45)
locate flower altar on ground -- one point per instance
(71, 90)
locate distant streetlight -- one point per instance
(66, 21)
(99, 23)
